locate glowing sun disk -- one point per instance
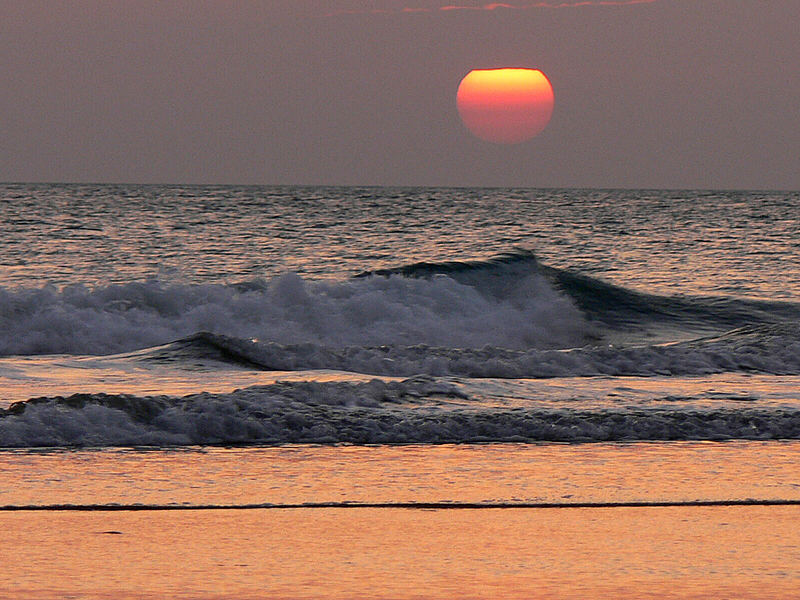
(505, 106)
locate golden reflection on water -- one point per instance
(25, 377)
(675, 552)
(749, 552)
(671, 471)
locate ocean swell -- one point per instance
(607, 306)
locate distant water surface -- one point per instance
(667, 242)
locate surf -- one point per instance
(419, 410)
(510, 301)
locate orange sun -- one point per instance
(505, 106)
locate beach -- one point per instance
(149, 542)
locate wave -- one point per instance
(510, 302)
(604, 304)
(410, 411)
(288, 309)
(770, 349)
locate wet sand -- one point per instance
(688, 550)
(667, 552)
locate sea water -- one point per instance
(488, 349)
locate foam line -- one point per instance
(397, 505)
(373, 412)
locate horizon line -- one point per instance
(404, 186)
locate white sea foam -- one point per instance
(288, 309)
(411, 411)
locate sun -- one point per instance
(505, 106)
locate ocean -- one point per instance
(211, 352)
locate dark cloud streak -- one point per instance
(492, 6)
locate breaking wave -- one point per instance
(506, 317)
(505, 309)
(603, 304)
(771, 349)
(511, 302)
(410, 411)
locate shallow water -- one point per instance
(491, 474)
(739, 552)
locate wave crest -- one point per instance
(773, 349)
(288, 309)
(511, 302)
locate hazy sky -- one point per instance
(666, 93)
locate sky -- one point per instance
(648, 94)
